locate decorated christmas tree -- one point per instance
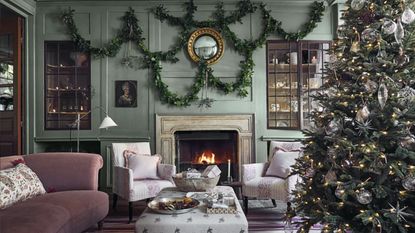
(358, 168)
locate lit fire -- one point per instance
(207, 157)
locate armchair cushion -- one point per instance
(284, 146)
(18, 184)
(143, 166)
(281, 162)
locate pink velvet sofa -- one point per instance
(73, 203)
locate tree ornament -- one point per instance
(409, 183)
(399, 32)
(330, 177)
(332, 58)
(309, 172)
(342, 32)
(355, 47)
(369, 35)
(381, 55)
(371, 86)
(408, 16)
(401, 59)
(399, 212)
(340, 191)
(367, 17)
(389, 27)
(364, 196)
(362, 114)
(406, 96)
(357, 4)
(408, 142)
(382, 95)
(332, 127)
(364, 127)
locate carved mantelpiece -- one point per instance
(167, 125)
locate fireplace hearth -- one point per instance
(241, 124)
(199, 149)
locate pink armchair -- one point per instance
(256, 185)
(126, 187)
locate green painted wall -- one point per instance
(99, 20)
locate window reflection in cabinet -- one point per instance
(295, 72)
(67, 86)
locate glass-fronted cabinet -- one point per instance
(67, 86)
(295, 71)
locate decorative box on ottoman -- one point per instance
(211, 171)
(192, 173)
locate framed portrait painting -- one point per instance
(126, 93)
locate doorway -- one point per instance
(11, 71)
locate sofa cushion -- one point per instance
(7, 161)
(18, 184)
(69, 211)
(32, 216)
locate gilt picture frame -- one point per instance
(126, 93)
(206, 44)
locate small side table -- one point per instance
(236, 185)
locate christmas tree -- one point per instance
(358, 168)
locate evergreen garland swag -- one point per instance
(132, 32)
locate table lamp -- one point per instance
(105, 124)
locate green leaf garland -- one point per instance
(131, 31)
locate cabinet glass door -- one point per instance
(67, 86)
(295, 72)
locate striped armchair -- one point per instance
(130, 189)
(256, 185)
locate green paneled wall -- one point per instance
(99, 20)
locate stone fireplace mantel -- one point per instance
(167, 125)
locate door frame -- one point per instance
(27, 10)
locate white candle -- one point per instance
(229, 168)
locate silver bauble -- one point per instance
(399, 32)
(369, 35)
(339, 192)
(409, 183)
(364, 196)
(408, 16)
(406, 95)
(382, 95)
(389, 27)
(332, 127)
(362, 114)
(357, 4)
(371, 86)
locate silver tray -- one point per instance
(154, 204)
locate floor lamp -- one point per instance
(105, 124)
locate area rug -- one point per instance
(262, 217)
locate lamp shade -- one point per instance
(107, 123)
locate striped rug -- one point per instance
(262, 217)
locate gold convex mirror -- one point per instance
(205, 44)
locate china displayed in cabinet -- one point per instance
(295, 71)
(67, 86)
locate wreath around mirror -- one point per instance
(205, 44)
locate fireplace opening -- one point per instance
(199, 149)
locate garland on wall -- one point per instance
(131, 32)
